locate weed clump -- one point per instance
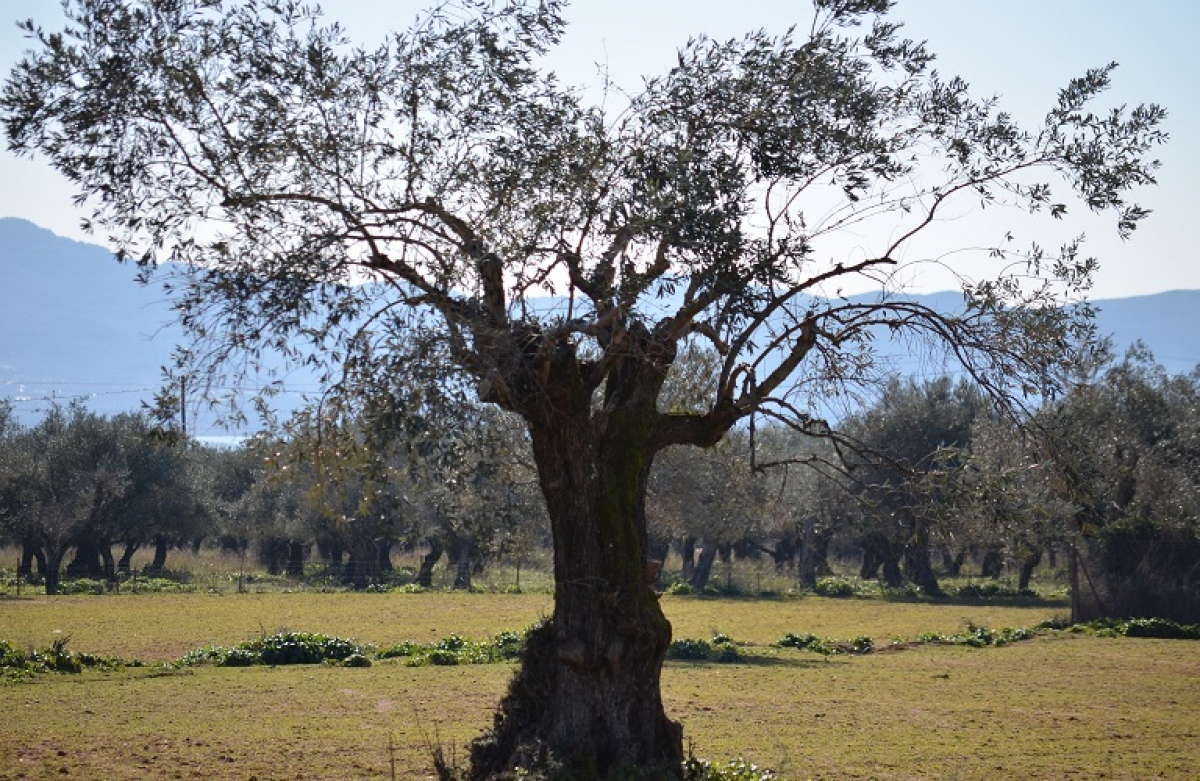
(734, 770)
(278, 649)
(836, 587)
(810, 642)
(974, 637)
(17, 665)
(1159, 628)
(721, 649)
(453, 650)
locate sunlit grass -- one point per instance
(1064, 706)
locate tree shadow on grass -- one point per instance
(797, 662)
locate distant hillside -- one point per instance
(74, 323)
(1168, 322)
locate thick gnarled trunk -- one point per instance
(586, 700)
(588, 692)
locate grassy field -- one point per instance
(1064, 706)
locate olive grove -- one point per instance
(331, 201)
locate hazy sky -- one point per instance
(1022, 50)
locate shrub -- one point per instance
(451, 643)
(992, 591)
(810, 642)
(239, 657)
(441, 656)
(804, 641)
(406, 648)
(277, 649)
(16, 665)
(82, 586)
(159, 586)
(1161, 628)
(509, 645)
(458, 650)
(726, 653)
(977, 636)
(835, 587)
(692, 650)
(722, 649)
(301, 648)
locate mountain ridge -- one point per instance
(75, 324)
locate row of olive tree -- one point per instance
(83, 484)
(938, 477)
(1108, 473)
(1110, 469)
(1123, 460)
(79, 481)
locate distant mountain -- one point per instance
(1169, 323)
(73, 323)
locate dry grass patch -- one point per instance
(164, 627)
(1064, 707)
(311, 722)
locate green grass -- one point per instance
(1063, 706)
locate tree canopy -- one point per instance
(252, 142)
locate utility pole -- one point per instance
(183, 406)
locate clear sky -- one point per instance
(1021, 50)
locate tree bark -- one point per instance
(86, 561)
(425, 573)
(687, 549)
(993, 564)
(952, 564)
(31, 553)
(107, 562)
(297, 551)
(1031, 557)
(821, 554)
(586, 701)
(785, 550)
(704, 565)
(159, 563)
(918, 560)
(808, 556)
(362, 567)
(126, 561)
(878, 552)
(459, 557)
(54, 557)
